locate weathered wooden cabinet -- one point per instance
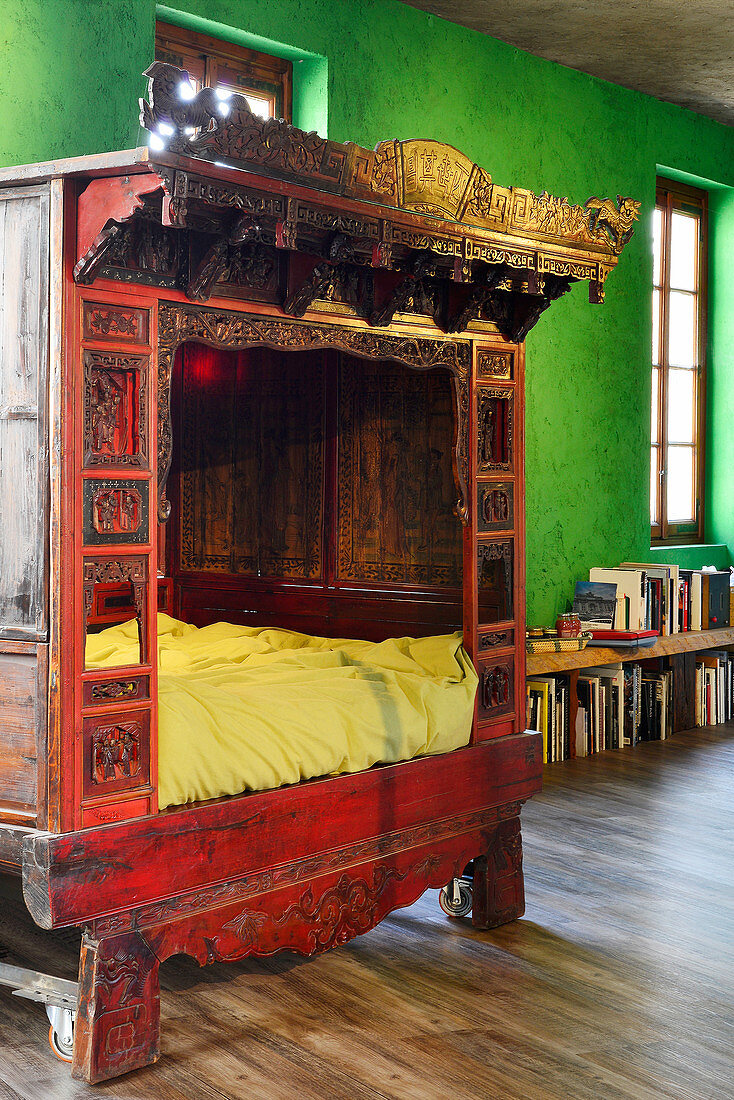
(263, 377)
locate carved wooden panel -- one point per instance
(116, 752)
(117, 324)
(115, 409)
(116, 511)
(494, 430)
(495, 364)
(144, 251)
(495, 563)
(495, 506)
(247, 271)
(496, 639)
(496, 693)
(252, 423)
(24, 475)
(127, 689)
(180, 323)
(396, 519)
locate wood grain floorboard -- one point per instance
(617, 985)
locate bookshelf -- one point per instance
(540, 664)
(677, 650)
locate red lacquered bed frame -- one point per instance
(257, 236)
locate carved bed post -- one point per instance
(118, 1023)
(499, 891)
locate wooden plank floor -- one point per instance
(617, 985)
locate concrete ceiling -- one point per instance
(681, 51)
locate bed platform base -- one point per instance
(304, 868)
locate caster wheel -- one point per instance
(456, 898)
(61, 1048)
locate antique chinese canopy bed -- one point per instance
(263, 379)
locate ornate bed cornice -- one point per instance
(422, 176)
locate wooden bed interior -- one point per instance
(272, 380)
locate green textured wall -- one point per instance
(69, 85)
(720, 405)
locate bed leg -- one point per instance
(118, 1022)
(499, 891)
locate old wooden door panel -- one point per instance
(18, 690)
(24, 227)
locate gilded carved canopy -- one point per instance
(411, 226)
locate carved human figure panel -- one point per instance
(496, 690)
(115, 419)
(115, 752)
(494, 429)
(495, 505)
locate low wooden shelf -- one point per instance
(539, 664)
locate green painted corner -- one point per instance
(378, 69)
(310, 70)
(691, 557)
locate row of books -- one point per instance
(663, 598)
(714, 687)
(617, 705)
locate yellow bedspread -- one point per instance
(250, 708)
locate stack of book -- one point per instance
(617, 705)
(663, 598)
(548, 712)
(714, 687)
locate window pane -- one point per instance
(259, 106)
(681, 405)
(656, 325)
(683, 244)
(654, 482)
(655, 405)
(680, 485)
(682, 330)
(657, 243)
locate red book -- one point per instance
(631, 639)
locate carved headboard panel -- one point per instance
(300, 477)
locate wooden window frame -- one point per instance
(211, 61)
(670, 196)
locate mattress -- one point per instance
(252, 708)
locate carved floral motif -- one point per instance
(114, 689)
(115, 323)
(343, 911)
(495, 640)
(296, 871)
